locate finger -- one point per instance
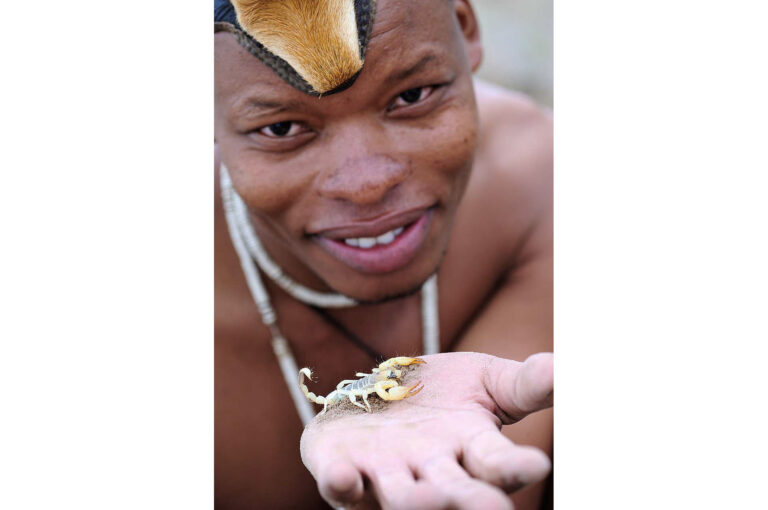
(421, 495)
(495, 459)
(340, 483)
(460, 489)
(520, 389)
(392, 483)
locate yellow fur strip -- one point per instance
(318, 38)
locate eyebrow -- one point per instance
(258, 107)
(251, 105)
(420, 65)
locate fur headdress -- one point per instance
(317, 46)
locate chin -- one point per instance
(385, 297)
(371, 290)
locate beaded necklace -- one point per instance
(252, 253)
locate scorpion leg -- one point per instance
(332, 396)
(365, 399)
(354, 401)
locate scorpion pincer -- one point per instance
(383, 380)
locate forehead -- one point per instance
(411, 21)
(403, 32)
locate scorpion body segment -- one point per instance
(383, 380)
(360, 384)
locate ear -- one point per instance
(471, 32)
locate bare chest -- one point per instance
(257, 429)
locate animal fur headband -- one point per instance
(317, 46)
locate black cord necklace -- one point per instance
(348, 335)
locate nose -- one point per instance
(364, 168)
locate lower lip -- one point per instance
(381, 258)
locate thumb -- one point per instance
(519, 389)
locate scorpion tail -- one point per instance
(311, 396)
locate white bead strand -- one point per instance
(249, 248)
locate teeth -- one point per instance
(370, 242)
(367, 242)
(386, 238)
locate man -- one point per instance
(366, 183)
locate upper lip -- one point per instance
(370, 227)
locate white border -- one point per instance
(661, 257)
(106, 385)
(106, 273)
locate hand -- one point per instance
(441, 448)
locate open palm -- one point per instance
(441, 448)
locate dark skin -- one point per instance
(478, 158)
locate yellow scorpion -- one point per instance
(382, 380)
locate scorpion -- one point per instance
(383, 380)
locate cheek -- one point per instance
(269, 188)
(454, 145)
(445, 152)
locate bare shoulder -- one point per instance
(514, 153)
(509, 110)
(510, 191)
(504, 222)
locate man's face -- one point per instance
(356, 190)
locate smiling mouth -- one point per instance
(382, 253)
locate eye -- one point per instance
(412, 96)
(282, 129)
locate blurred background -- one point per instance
(517, 36)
